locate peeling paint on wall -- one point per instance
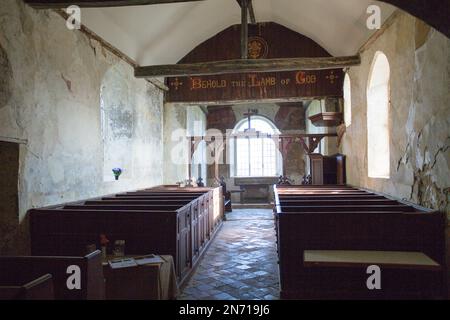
(419, 114)
(54, 104)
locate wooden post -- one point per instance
(244, 29)
(251, 12)
(284, 155)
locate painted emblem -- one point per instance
(332, 77)
(177, 83)
(257, 48)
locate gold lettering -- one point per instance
(300, 77)
(303, 78)
(196, 83)
(253, 82)
(262, 82)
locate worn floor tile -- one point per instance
(241, 262)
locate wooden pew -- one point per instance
(40, 288)
(336, 202)
(345, 208)
(206, 222)
(92, 282)
(322, 224)
(329, 197)
(144, 232)
(200, 219)
(176, 224)
(156, 196)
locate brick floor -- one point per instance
(241, 262)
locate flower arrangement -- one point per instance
(117, 172)
(104, 243)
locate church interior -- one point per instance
(224, 150)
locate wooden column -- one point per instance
(284, 155)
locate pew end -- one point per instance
(90, 266)
(40, 288)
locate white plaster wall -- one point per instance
(51, 99)
(196, 126)
(176, 156)
(181, 122)
(419, 115)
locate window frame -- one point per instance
(348, 100)
(277, 159)
(382, 125)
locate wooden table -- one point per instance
(143, 282)
(383, 259)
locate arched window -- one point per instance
(378, 99)
(347, 101)
(256, 156)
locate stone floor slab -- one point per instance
(241, 262)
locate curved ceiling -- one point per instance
(163, 34)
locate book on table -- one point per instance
(126, 262)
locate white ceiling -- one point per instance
(163, 34)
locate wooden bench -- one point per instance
(40, 288)
(91, 271)
(322, 224)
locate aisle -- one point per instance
(241, 262)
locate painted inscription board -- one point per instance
(266, 41)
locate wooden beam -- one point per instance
(244, 29)
(60, 4)
(246, 65)
(251, 12)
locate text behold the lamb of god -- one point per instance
(251, 81)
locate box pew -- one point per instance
(144, 192)
(40, 288)
(201, 216)
(302, 188)
(69, 231)
(17, 268)
(156, 196)
(346, 208)
(203, 220)
(336, 202)
(333, 230)
(137, 201)
(330, 196)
